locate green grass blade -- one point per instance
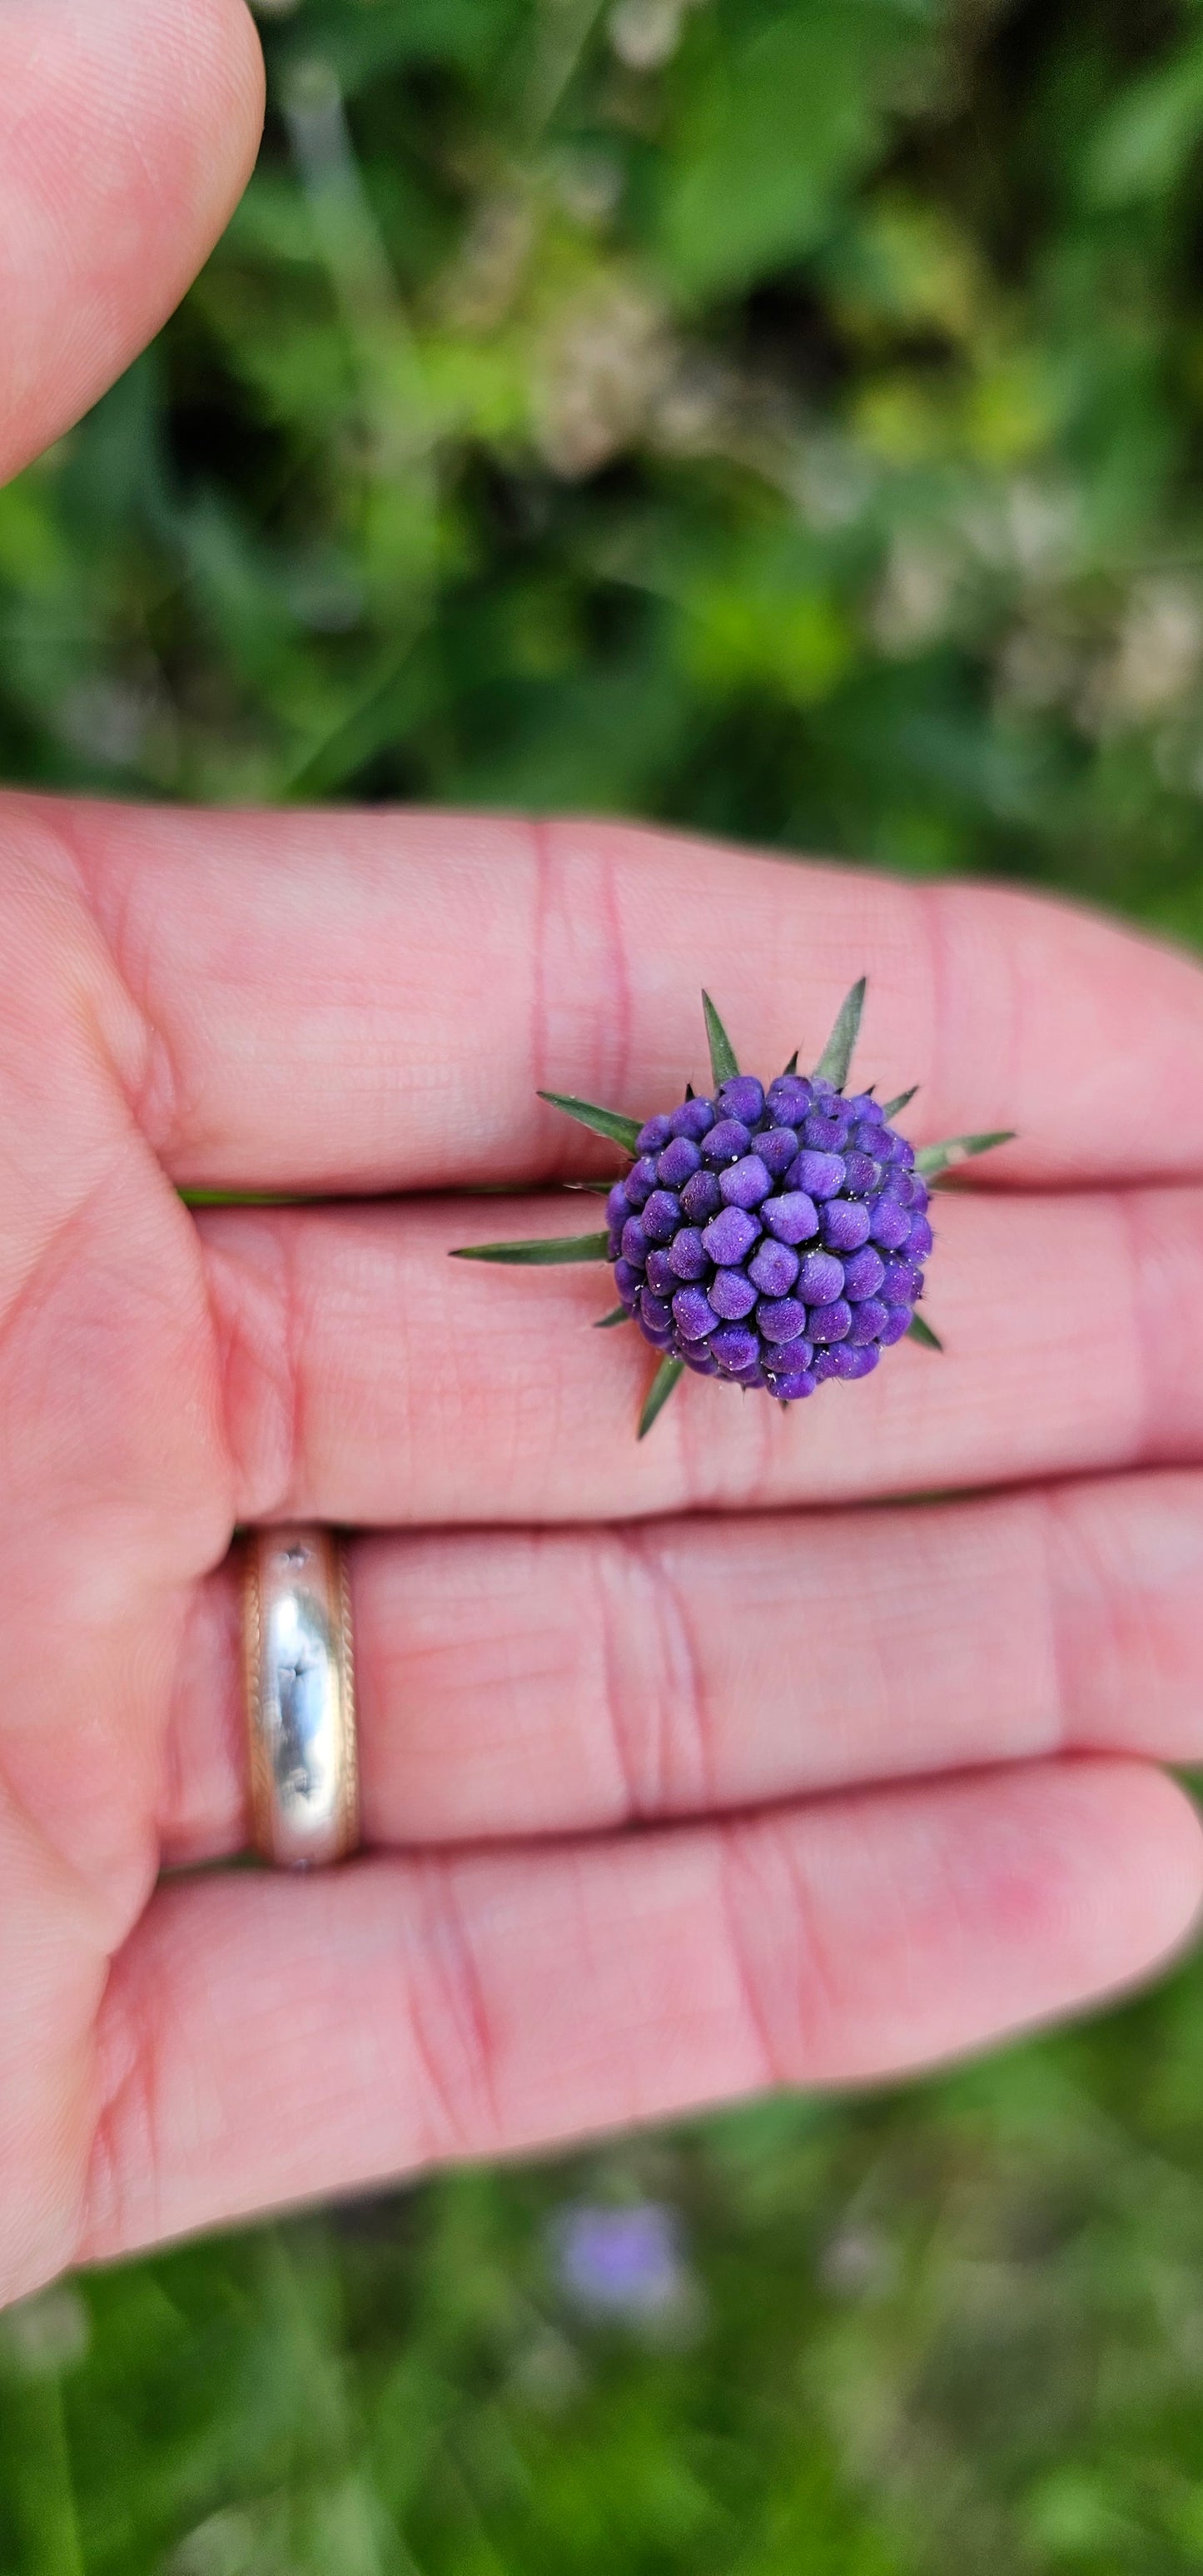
(836, 1058)
(958, 1149)
(658, 1393)
(618, 1315)
(722, 1053)
(893, 1108)
(604, 1122)
(552, 1247)
(918, 1331)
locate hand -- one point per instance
(891, 1768)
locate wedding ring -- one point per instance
(300, 1697)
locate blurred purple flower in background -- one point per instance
(625, 2263)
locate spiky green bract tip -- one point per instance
(604, 1122)
(893, 1108)
(918, 1331)
(835, 1061)
(617, 1315)
(550, 1247)
(658, 1393)
(958, 1149)
(722, 1053)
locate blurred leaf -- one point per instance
(774, 114)
(894, 1108)
(1145, 138)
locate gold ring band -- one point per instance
(300, 1697)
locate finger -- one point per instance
(263, 2040)
(127, 132)
(371, 1001)
(369, 1379)
(570, 1681)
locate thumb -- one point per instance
(128, 129)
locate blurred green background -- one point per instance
(785, 419)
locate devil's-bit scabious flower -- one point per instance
(772, 1236)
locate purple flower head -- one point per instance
(770, 1236)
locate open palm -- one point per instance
(688, 1768)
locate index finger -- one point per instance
(365, 1002)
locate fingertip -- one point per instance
(128, 129)
(1153, 1891)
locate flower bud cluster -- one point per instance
(771, 1238)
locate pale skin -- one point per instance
(685, 1772)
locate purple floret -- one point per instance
(746, 1183)
(730, 1235)
(844, 1225)
(774, 1267)
(732, 1295)
(701, 1197)
(654, 1136)
(831, 1323)
(820, 1175)
(820, 1278)
(741, 1097)
(890, 1222)
(781, 1319)
(791, 1216)
(734, 1347)
(678, 1162)
(661, 1216)
(693, 1118)
(727, 1141)
(641, 1181)
(693, 1313)
(687, 1254)
(777, 1147)
(774, 1239)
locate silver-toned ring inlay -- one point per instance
(300, 1692)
